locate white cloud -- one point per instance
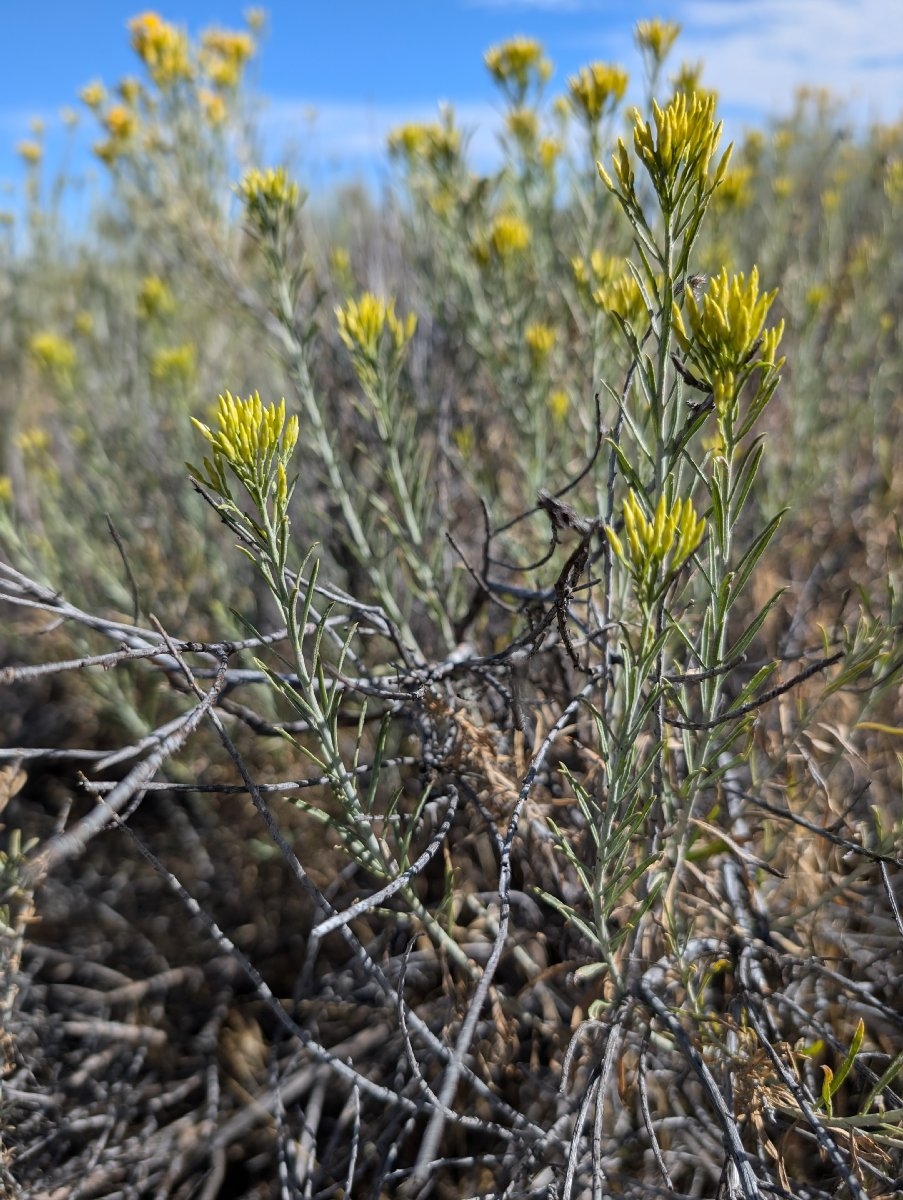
(757, 53)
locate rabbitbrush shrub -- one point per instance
(533, 843)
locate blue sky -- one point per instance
(338, 74)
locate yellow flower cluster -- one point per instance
(120, 122)
(688, 82)
(212, 105)
(523, 124)
(377, 341)
(271, 187)
(52, 353)
(518, 62)
(362, 324)
(727, 324)
(676, 149)
(658, 546)
(830, 199)
(340, 265)
(540, 341)
(599, 269)
(685, 132)
(656, 38)
(162, 48)
(34, 442)
(436, 144)
(154, 298)
(174, 364)
(597, 90)
(249, 434)
(735, 190)
(509, 235)
(30, 152)
(129, 90)
(548, 151)
(224, 54)
(93, 94)
(270, 197)
(559, 403)
(622, 297)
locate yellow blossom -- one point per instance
(228, 43)
(509, 235)
(464, 439)
(377, 341)
(518, 62)
(249, 434)
(437, 144)
(162, 48)
(680, 147)
(656, 38)
(108, 150)
(154, 298)
(596, 271)
(409, 140)
(83, 323)
(523, 124)
(340, 265)
(130, 90)
(270, 196)
(6, 489)
(363, 322)
(174, 364)
(223, 56)
(93, 94)
(816, 296)
(223, 73)
(213, 106)
(676, 148)
(548, 150)
(597, 90)
(830, 200)
(52, 353)
(255, 18)
(621, 296)
(69, 117)
(33, 442)
(540, 340)
(657, 545)
(687, 82)
(559, 403)
(120, 122)
(30, 152)
(734, 190)
(35, 446)
(725, 324)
